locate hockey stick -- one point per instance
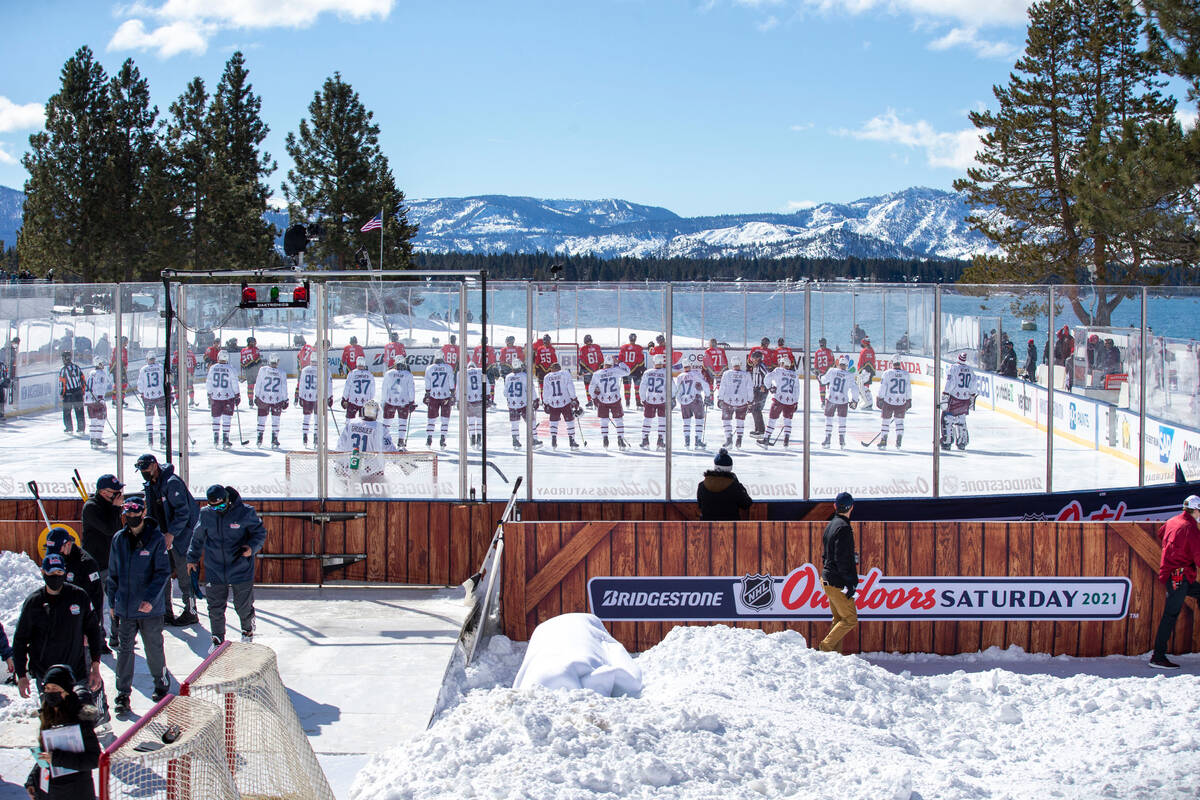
(338, 429)
(114, 430)
(870, 441)
(82, 488)
(33, 488)
(238, 413)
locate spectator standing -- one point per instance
(721, 496)
(63, 710)
(5, 385)
(839, 573)
(71, 380)
(1031, 362)
(1180, 537)
(82, 568)
(228, 537)
(171, 505)
(101, 519)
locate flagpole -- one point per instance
(381, 240)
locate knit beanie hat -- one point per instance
(723, 462)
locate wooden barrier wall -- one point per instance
(547, 566)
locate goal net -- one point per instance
(175, 752)
(265, 747)
(409, 474)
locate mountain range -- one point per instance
(918, 223)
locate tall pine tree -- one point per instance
(342, 179)
(189, 166)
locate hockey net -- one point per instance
(264, 745)
(407, 474)
(143, 764)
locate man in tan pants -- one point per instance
(839, 572)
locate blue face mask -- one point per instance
(219, 507)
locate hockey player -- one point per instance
(351, 353)
(213, 352)
(765, 352)
(544, 355)
(392, 352)
(223, 392)
(591, 360)
(509, 355)
(694, 396)
(154, 398)
(866, 370)
(958, 397)
(734, 398)
(270, 397)
(715, 362)
(843, 393)
(822, 362)
(784, 386)
(361, 438)
(399, 399)
(517, 396)
(654, 400)
(120, 353)
(634, 359)
(306, 353)
(190, 366)
(440, 382)
(895, 398)
(475, 388)
(450, 352)
(358, 388)
(659, 348)
(307, 396)
(96, 390)
(605, 392)
(559, 400)
(251, 361)
(486, 361)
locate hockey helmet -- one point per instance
(866, 340)
(660, 360)
(633, 337)
(251, 341)
(102, 362)
(545, 339)
(609, 361)
(962, 358)
(587, 338)
(401, 363)
(510, 339)
(555, 367)
(223, 357)
(150, 358)
(844, 362)
(395, 336)
(370, 410)
(785, 360)
(735, 363)
(517, 365)
(353, 340)
(360, 362)
(821, 341)
(273, 359)
(297, 339)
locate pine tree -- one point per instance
(341, 178)
(189, 166)
(65, 202)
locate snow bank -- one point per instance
(18, 577)
(576, 651)
(728, 712)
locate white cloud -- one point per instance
(801, 127)
(969, 12)
(179, 26)
(5, 158)
(800, 205)
(768, 24)
(969, 38)
(954, 149)
(18, 118)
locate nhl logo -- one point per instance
(758, 591)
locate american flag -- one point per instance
(373, 224)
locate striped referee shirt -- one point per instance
(71, 378)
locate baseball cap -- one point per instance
(1192, 501)
(109, 482)
(216, 493)
(134, 505)
(56, 538)
(145, 460)
(843, 501)
(54, 562)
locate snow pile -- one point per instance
(18, 577)
(729, 712)
(576, 651)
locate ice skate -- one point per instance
(226, 443)
(604, 441)
(216, 440)
(274, 441)
(554, 442)
(260, 435)
(786, 439)
(728, 442)
(442, 443)
(574, 444)
(687, 440)
(825, 442)
(305, 440)
(842, 441)
(764, 442)
(700, 444)
(150, 441)
(739, 440)
(645, 443)
(537, 443)
(661, 444)
(516, 443)
(899, 439)
(621, 443)
(882, 442)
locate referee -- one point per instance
(70, 379)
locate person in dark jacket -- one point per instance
(55, 622)
(1008, 360)
(82, 569)
(227, 538)
(172, 506)
(721, 495)
(6, 651)
(839, 573)
(62, 709)
(1031, 362)
(138, 568)
(101, 519)
(1180, 537)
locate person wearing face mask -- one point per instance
(82, 569)
(227, 537)
(101, 519)
(171, 505)
(55, 622)
(73, 746)
(138, 569)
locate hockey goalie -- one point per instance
(958, 398)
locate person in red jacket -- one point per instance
(715, 362)
(822, 362)
(250, 360)
(591, 359)
(544, 356)
(394, 350)
(1180, 537)
(634, 357)
(351, 353)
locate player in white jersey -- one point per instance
(734, 396)
(958, 396)
(97, 387)
(154, 398)
(399, 399)
(222, 389)
(355, 462)
(358, 388)
(307, 396)
(440, 382)
(605, 391)
(784, 386)
(895, 398)
(694, 396)
(653, 391)
(841, 391)
(270, 397)
(475, 388)
(518, 393)
(559, 400)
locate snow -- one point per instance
(576, 651)
(19, 576)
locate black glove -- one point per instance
(850, 593)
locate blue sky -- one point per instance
(701, 106)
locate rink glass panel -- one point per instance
(1172, 374)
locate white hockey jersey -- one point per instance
(222, 382)
(558, 389)
(736, 388)
(440, 381)
(842, 386)
(307, 388)
(399, 388)
(960, 382)
(271, 386)
(606, 384)
(895, 387)
(150, 382)
(786, 385)
(516, 390)
(359, 387)
(98, 386)
(365, 436)
(476, 382)
(690, 387)
(654, 386)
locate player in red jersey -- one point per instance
(822, 362)
(591, 360)
(509, 353)
(304, 356)
(659, 348)
(715, 362)
(782, 350)
(633, 357)
(450, 352)
(351, 353)
(190, 362)
(394, 351)
(251, 360)
(490, 367)
(544, 356)
(866, 357)
(213, 352)
(764, 350)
